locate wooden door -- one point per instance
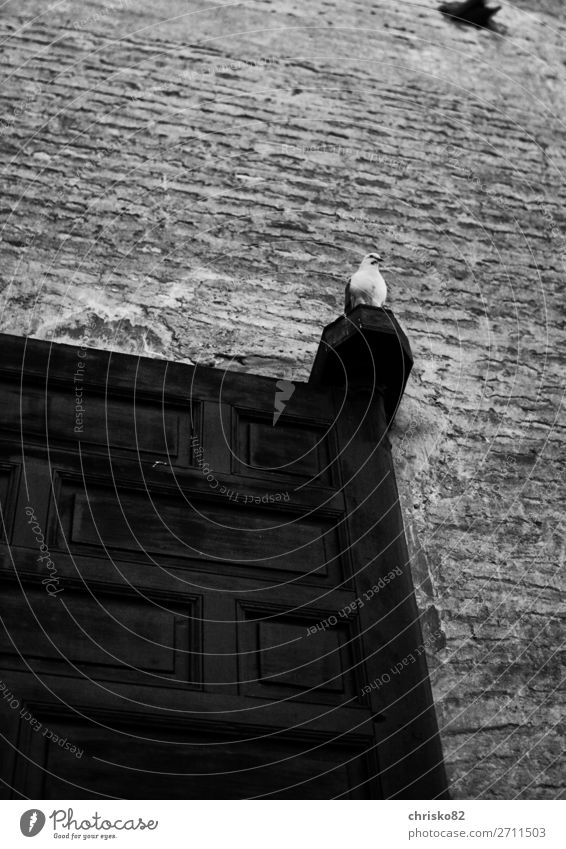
(187, 587)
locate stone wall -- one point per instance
(198, 185)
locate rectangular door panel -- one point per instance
(9, 474)
(295, 448)
(179, 526)
(106, 422)
(307, 655)
(157, 763)
(101, 635)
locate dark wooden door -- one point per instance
(187, 598)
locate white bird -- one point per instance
(366, 286)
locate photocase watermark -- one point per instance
(79, 376)
(14, 703)
(507, 203)
(8, 119)
(284, 390)
(403, 443)
(65, 820)
(420, 254)
(555, 232)
(410, 658)
(231, 494)
(207, 73)
(52, 582)
(78, 379)
(104, 12)
(31, 822)
(510, 477)
(392, 164)
(348, 609)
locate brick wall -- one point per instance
(198, 185)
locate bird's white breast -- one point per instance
(369, 284)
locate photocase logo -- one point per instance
(283, 393)
(31, 822)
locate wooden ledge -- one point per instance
(365, 350)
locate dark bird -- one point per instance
(473, 12)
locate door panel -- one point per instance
(181, 526)
(9, 479)
(188, 764)
(297, 448)
(282, 654)
(125, 637)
